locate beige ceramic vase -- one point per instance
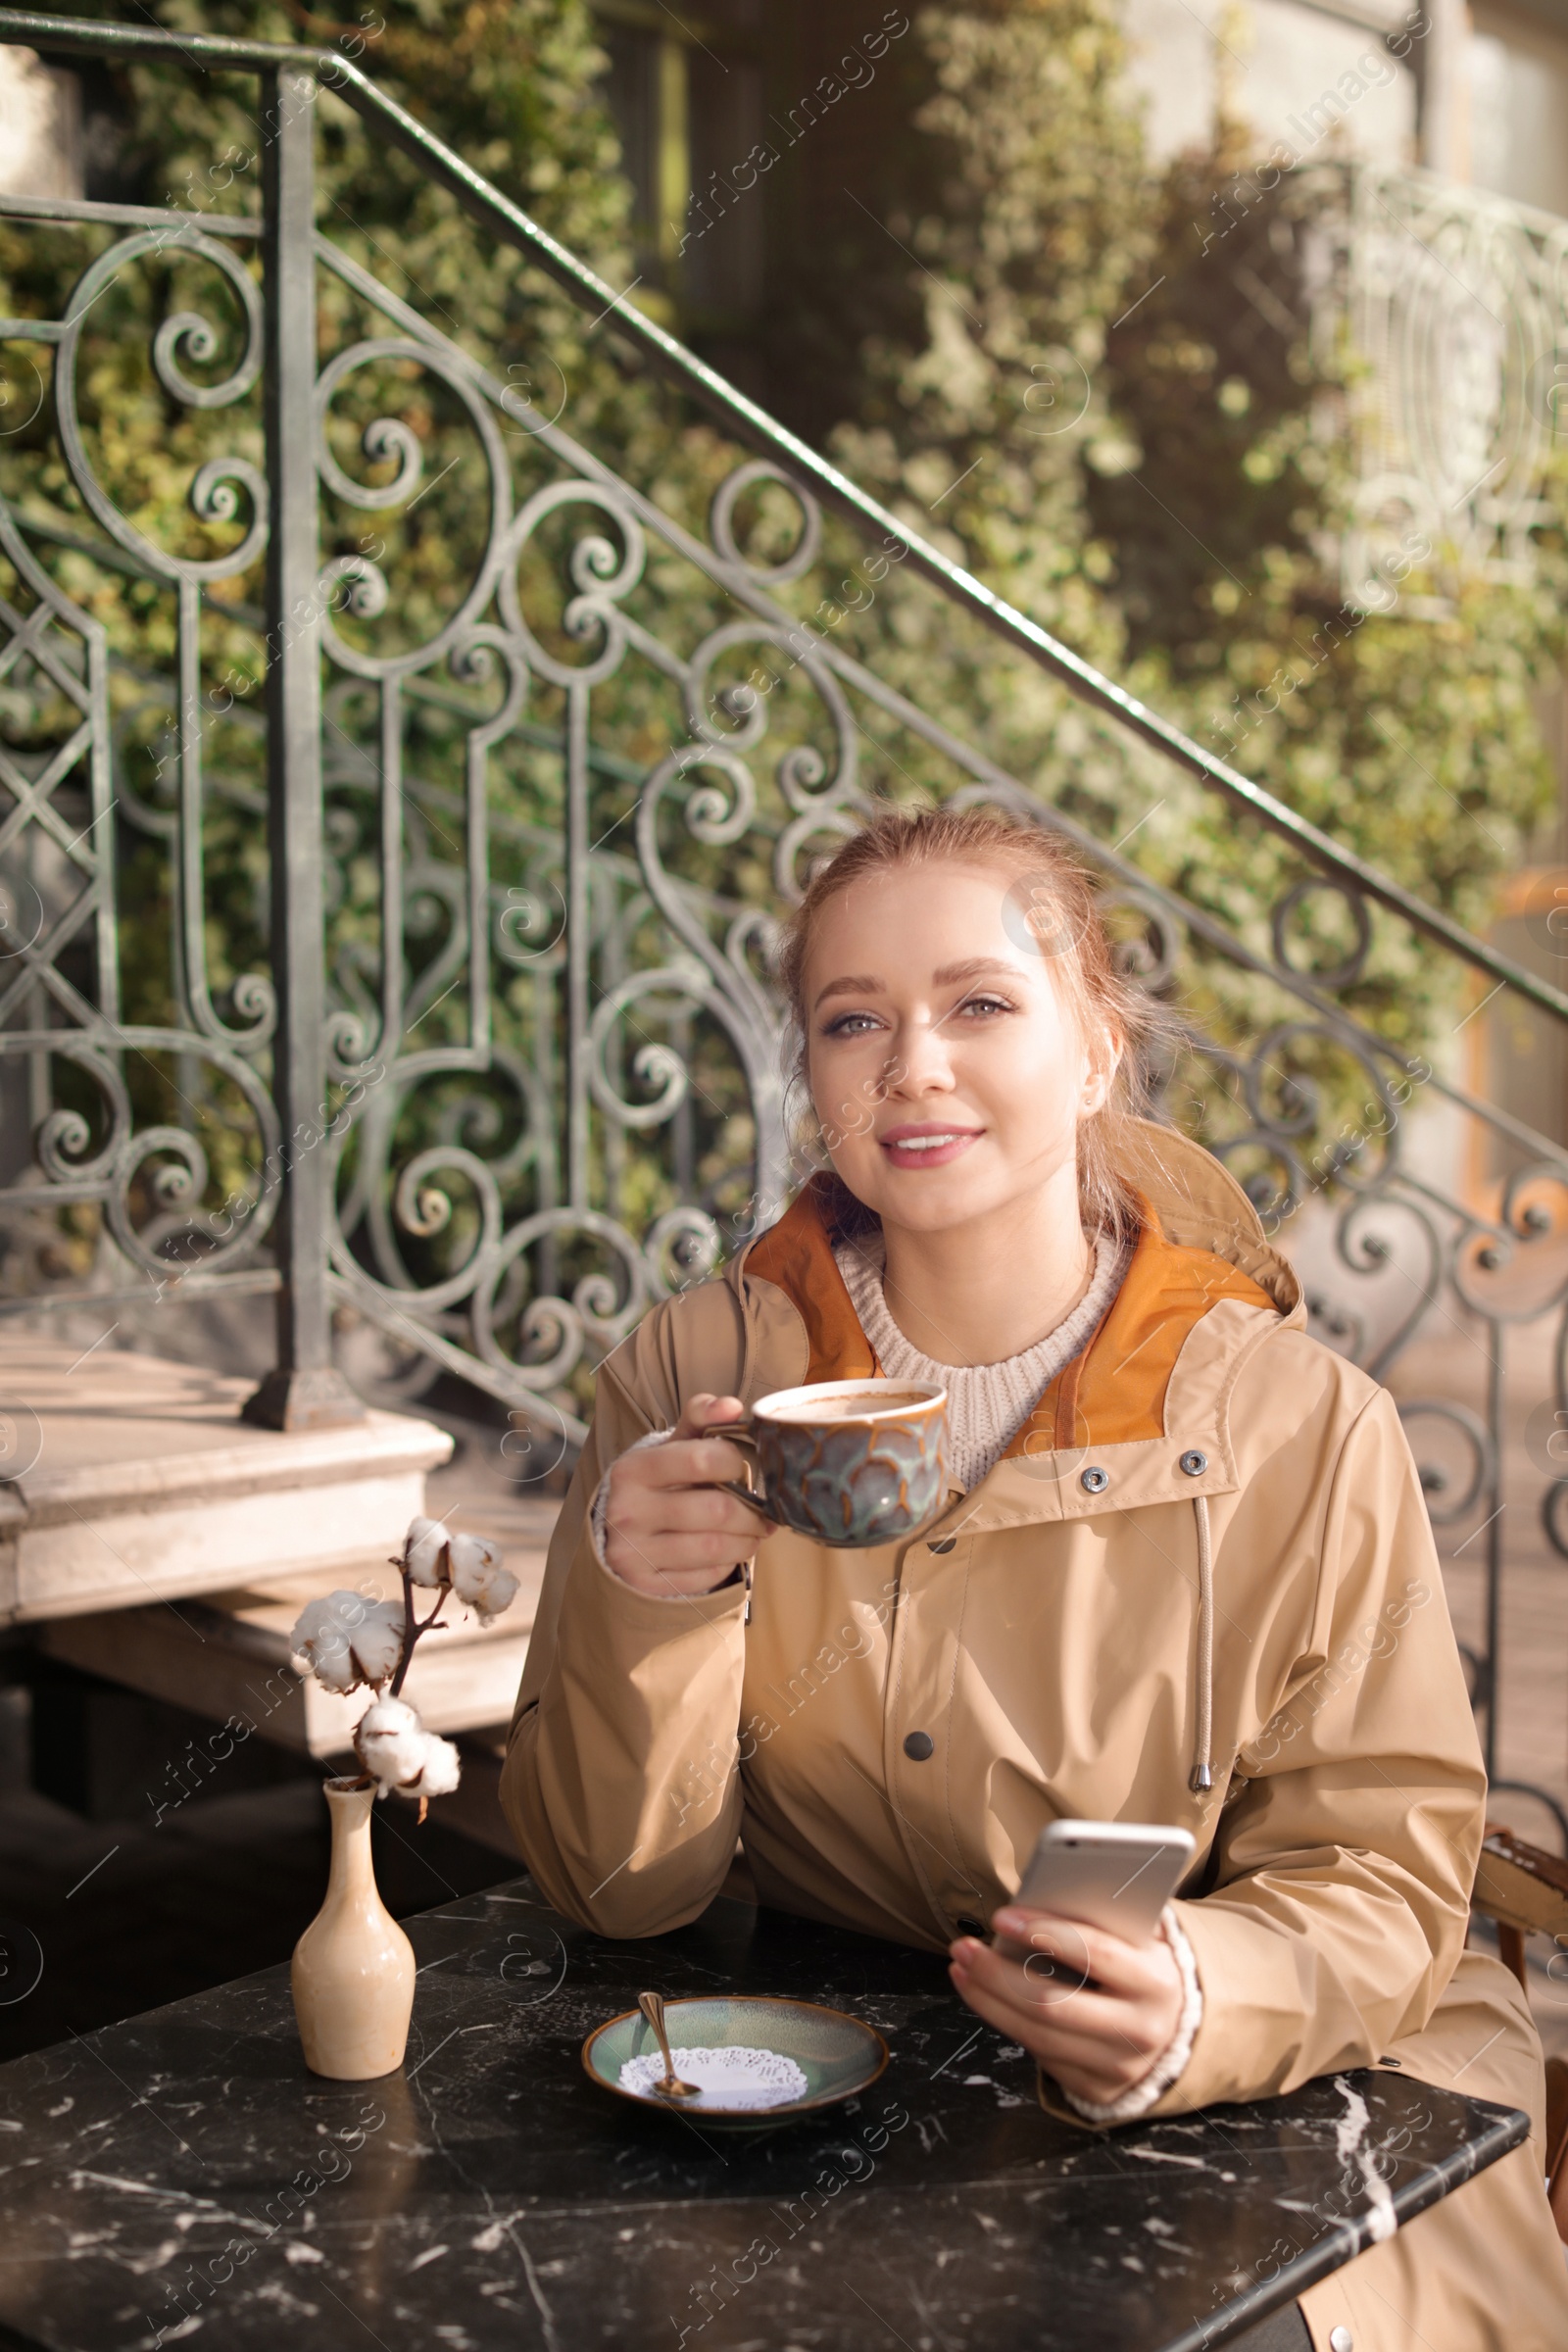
(353, 1972)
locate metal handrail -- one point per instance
(754, 427)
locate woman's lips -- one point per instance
(926, 1147)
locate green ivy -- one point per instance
(1045, 368)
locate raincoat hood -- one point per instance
(1200, 1246)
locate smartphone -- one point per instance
(1115, 1875)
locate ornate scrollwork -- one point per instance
(391, 440)
(1450, 1498)
(127, 1106)
(721, 524)
(567, 791)
(1457, 303)
(601, 572)
(197, 337)
(1348, 969)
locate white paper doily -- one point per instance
(726, 2078)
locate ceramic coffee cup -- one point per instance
(848, 1463)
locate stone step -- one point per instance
(227, 1657)
(126, 1479)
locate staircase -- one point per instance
(511, 1070)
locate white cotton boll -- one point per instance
(389, 1718)
(422, 1550)
(391, 1744)
(376, 1645)
(440, 1771)
(320, 1637)
(478, 1578)
(499, 1595)
(472, 1556)
(398, 1752)
(349, 1640)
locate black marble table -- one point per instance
(182, 2177)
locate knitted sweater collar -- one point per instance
(987, 1404)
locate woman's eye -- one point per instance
(851, 1024)
(985, 1004)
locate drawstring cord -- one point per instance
(1203, 1774)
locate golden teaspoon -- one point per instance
(651, 2005)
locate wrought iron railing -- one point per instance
(502, 1063)
(1455, 304)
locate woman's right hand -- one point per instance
(671, 1530)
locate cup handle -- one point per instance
(740, 1434)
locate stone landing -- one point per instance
(227, 1657)
(126, 1479)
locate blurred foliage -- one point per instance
(1409, 732)
(1100, 393)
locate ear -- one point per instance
(1103, 1060)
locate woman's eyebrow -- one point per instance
(857, 985)
(972, 970)
(860, 984)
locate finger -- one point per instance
(675, 1510)
(687, 1462)
(689, 1547)
(1088, 2064)
(1056, 1962)
(1111, 1960)
(634, 1564)
(677, 1554)
(1063, 2003)
(698, 1412)
(689, 1511)
(1080, 2068)
(1000, 2014)
(1085, 2032)
(668, 1585)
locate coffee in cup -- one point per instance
(850, 1463)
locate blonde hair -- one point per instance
(1052, 907)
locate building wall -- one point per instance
(40, 127)
(1321, 80)
(1301, 77)
(1517, 93)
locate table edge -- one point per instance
(1509, 2129)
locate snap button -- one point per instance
(1341, 2340)
(944, 1543)
(971, 1926)
(1195, 1463)
(918, 1745)
(1094, 1481)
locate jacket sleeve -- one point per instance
(620, 1780)
(1341, 1875)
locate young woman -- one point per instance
(1185, 1574)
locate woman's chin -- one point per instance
(928, 1202)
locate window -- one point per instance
(686, 95)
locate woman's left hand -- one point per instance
(1095, 2010)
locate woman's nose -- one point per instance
(923, 1062)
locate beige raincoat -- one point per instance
(1253, 1592)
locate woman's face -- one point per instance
(946, 1073)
